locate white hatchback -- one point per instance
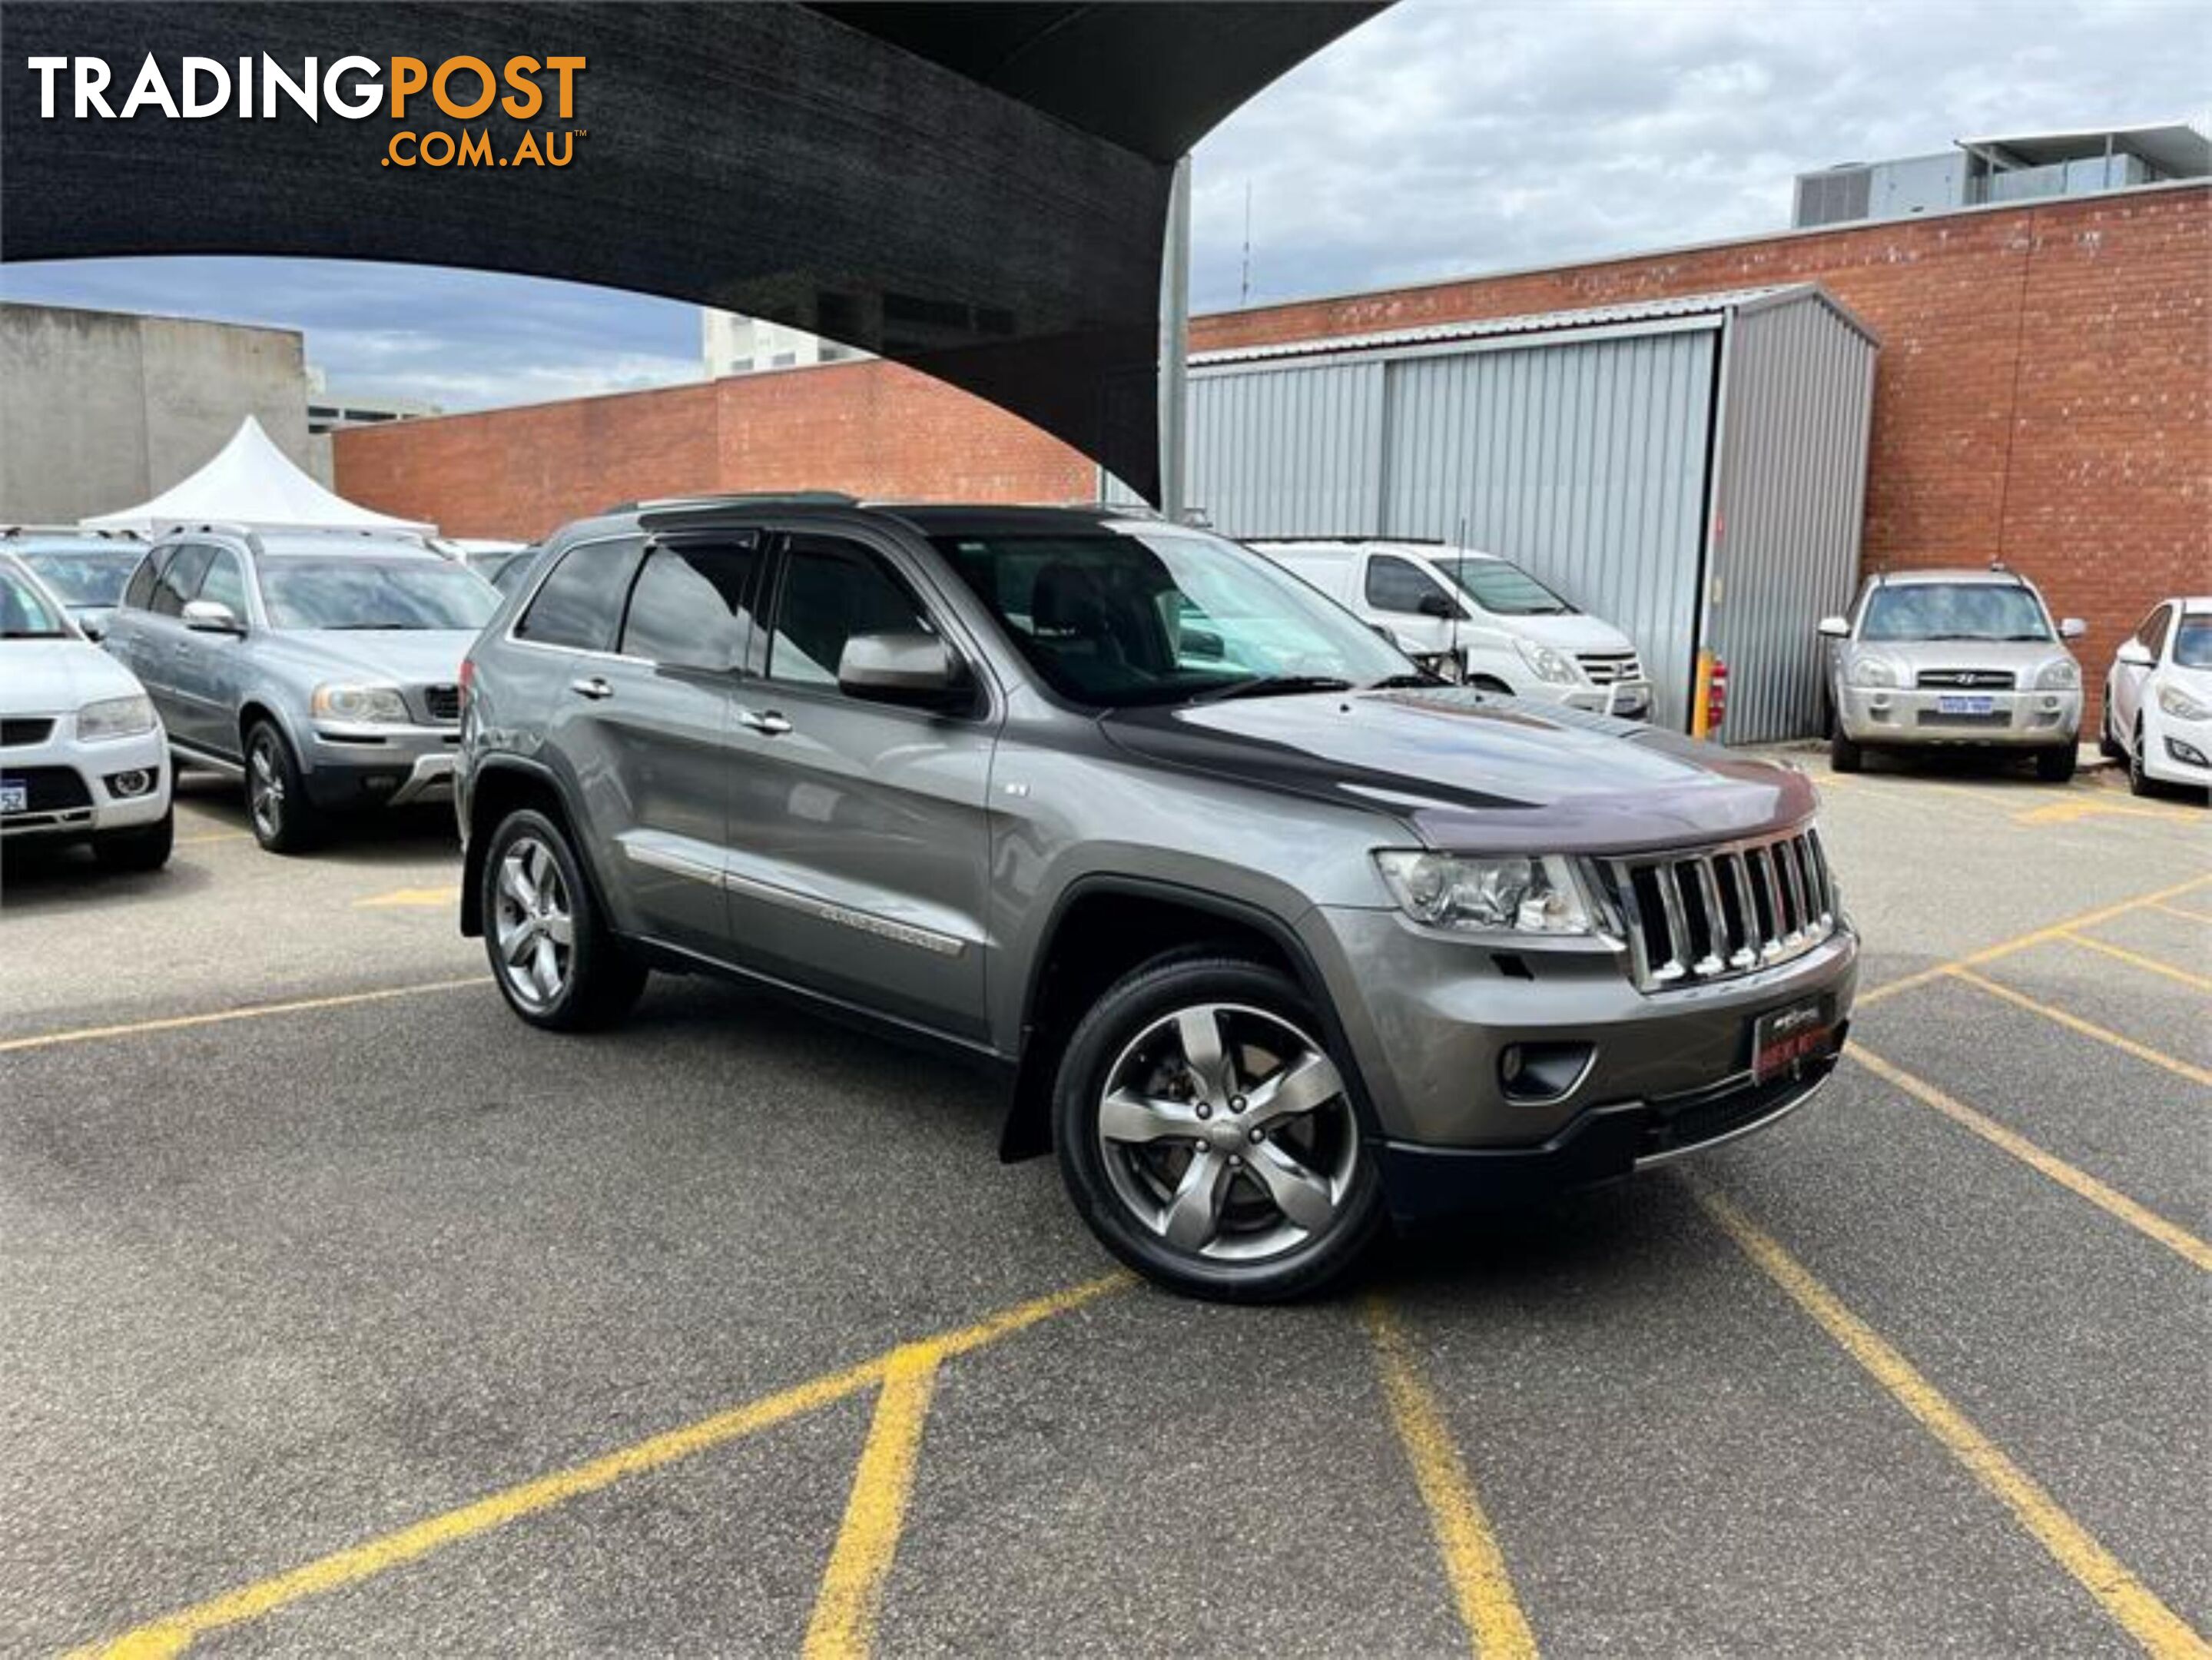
(82, 755)
(2158, 698)
(1476, 617)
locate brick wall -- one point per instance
(874, 429)
(2041, 398)
(2044, 394)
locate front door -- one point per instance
(206, 670)
(160, 631)
(859, 837)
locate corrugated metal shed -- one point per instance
(1692, 469)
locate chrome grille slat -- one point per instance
(1715, 913)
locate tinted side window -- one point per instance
(581, 604)
(181, 579)
(1397, 584)
(692, 604)
(225, 582)
(140, 592)
(831, 590)
(2151, 633)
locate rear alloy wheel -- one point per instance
(1207, 1136)
(2107, 745)
(284, 820)
(2139, 781)
(555, 962)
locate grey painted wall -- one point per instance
(101, 409)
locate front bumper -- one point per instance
(1914, 715)
(1625, 700)
(2169, 743)
(352, 766)
(76, 794)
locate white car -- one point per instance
(82, 755)
(1476, 617)
(2158, 698)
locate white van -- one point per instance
(1476, 617)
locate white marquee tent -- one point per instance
(252, 482)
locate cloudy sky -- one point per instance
(1444, 136)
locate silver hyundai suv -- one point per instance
(323, 669)
(1954, 659)
(1274, 939)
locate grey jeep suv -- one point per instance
(1275, 938)
(322, 669)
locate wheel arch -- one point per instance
(498, 787)
(1103, 926)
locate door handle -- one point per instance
(593, 686)
(768, 722)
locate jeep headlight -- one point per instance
(2063, 675)
(1547, 663)
(1513, 895)
(2180, 705)
(1874, 672)
(372, 705)
(115, 717)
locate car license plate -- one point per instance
(14, 797)
(1781, 1038)
(1954, 704)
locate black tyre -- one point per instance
(276, 806)
(1206, 1135)
(2055, 766)
(142, 848)
(2139, 781)
(2107, 745)
(556, 964)
(1844, 755)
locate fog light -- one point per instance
(124, 785)
(2187, 754)
(1543, 1072)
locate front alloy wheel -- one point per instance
(557, 963)
(1208, 1136)
(532, 925)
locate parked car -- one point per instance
(84, 569)
(2158, 698)
(1273, 936)
(322, 669)
(81, 751)
(1953, 658)
(505, 569)
(1476, 617)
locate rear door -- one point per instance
(859, 835)
(2128, 679)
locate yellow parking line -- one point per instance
(213, 835)
(2067, 812)
(174, 1632)
(1475, 1567)
(2087, 1028)
(2176, 911)
(2136, 959)
(2131, 1602)
(2036, 937)
(403, 897)
(845, 1609)
(251, 1012)
(2147, 1222)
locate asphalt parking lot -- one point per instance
(344, 1314)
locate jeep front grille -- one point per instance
(1712, 915)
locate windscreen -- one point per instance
(25, 613)
(1954, 610)
(357, 593)
(1155, 617)
(2192, 645)
(1503, 589)
(89, 577)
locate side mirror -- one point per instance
(1389, 634)
(93, 629)
(2072, 628)
(212, 617)
(1836, 628)
(901, 668)
(1438, 604)
(2136, 654)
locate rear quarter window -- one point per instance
(580, 605)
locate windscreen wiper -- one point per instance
(1273, 685)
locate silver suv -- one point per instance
(1273, 938)
(323, 669)
(1958, 659)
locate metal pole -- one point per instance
(1175, 347)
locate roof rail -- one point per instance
(738, 498)
(1352, 541)
(120, 534)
